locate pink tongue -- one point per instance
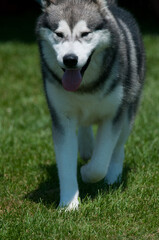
(71, 80)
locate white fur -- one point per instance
(79, 28)
(48, 51)
(66, 157)
(64, 28)
(86, 109)
(82, 110)
(73, 42)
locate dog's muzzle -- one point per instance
(72, 77)
(70, 60)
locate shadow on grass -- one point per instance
(91, 190)
(48, 191)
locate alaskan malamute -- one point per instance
(92, 62)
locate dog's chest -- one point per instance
(86, 109)
(91, 109)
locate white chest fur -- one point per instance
(86, 109)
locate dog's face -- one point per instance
(74, 30)
(76, 44)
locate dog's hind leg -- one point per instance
(85, 142)
(116, 166)
(107, 137)
(114, 173)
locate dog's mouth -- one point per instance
(72, 78)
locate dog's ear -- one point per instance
(103, 2)
(99, 2)
(46, 3)
(102, 6)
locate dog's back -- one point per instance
(132, 50)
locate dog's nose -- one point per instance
(70, 60)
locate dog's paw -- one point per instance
(91, 175)
(114, 174)
(73, 205)
(70, 205)
(113, 180)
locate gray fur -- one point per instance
(121, 65)
(80, 9)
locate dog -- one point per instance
(93, 67)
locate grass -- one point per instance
(29, 189)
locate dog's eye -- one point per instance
(59, 34)
(84, 34)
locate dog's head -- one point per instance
(71, 31)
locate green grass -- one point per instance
(29, 189)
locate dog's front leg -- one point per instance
(65, 142)
(107, 137)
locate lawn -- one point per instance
(29, 189)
